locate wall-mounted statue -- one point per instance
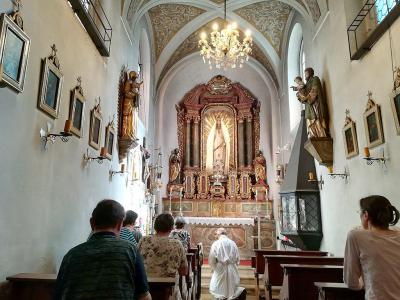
(174, 166)
(313, 98)
(260, 167)
(131, 101)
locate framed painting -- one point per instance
(350, 138)
(395, 102)
(109, 141)
(14, 51)
(373, 125)
(50, 87)
(76, 111)
(95, 128)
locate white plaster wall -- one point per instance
(347, 83)
(46, 197)
(193, 72)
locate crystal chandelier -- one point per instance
(225, 49)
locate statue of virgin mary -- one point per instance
(218, 149)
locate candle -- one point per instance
(67, 126)
(123, 168)
(103, 152)
(330, 169)
(311, 176)
(366, 152)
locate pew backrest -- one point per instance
(337, 291)
(26, 286)
(273, 275)
(299, 280)
(161, 287)
(260, 263)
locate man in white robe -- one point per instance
(224, 260)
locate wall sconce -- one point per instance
(99, 159)
(311, 178)
(280, 173)
(46, 136)
(343, 175)
(370, 160)
(121, 172)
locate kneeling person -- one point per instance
(104, 267)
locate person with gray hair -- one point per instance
(180, 233)
(224, 261)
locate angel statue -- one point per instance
(174, 166)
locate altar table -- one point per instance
(241, 230)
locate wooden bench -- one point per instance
(338, 291)
(26, 286)
(161, 287)
(259, 261)
(198, 251)
(35, 286)
(298, 281)
(273, 275)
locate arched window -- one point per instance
(144, 69)
(383, 7)
(296, 66)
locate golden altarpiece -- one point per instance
(217, 169)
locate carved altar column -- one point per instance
(196, 141)
(249, 141)
(187, 144)
(241, 142)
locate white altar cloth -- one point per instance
(219, 221)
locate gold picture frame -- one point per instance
(96, 122)
(373, 124)
(110, 140)
(77, 110)
(350, 139)
(51, 81)
(395, 103)
(14, 52)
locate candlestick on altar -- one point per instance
(180, 202)
(170, 200)
(258, 223)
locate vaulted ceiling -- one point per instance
(176, 26)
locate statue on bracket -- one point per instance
(313, 98)
(319, 144)
(174, 166)
(131, 101)
(260, 167)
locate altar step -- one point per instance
(247, 281)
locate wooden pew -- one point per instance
(35, 286)
(199, 261)
(28, 286)
(260, 262)
(298, 282)
(338, 291)
(186, 282)
(161, 287)
(273, 275)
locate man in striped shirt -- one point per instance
(104, 267)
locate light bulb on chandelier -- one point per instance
(224, 48)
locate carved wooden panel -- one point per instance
(203, 185)
(245, 185)
(233, 186)
(189, 185)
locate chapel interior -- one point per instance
(144, 102)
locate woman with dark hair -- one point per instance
(180, 233)
(163, 256)
(128, 228)
(372, 255)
